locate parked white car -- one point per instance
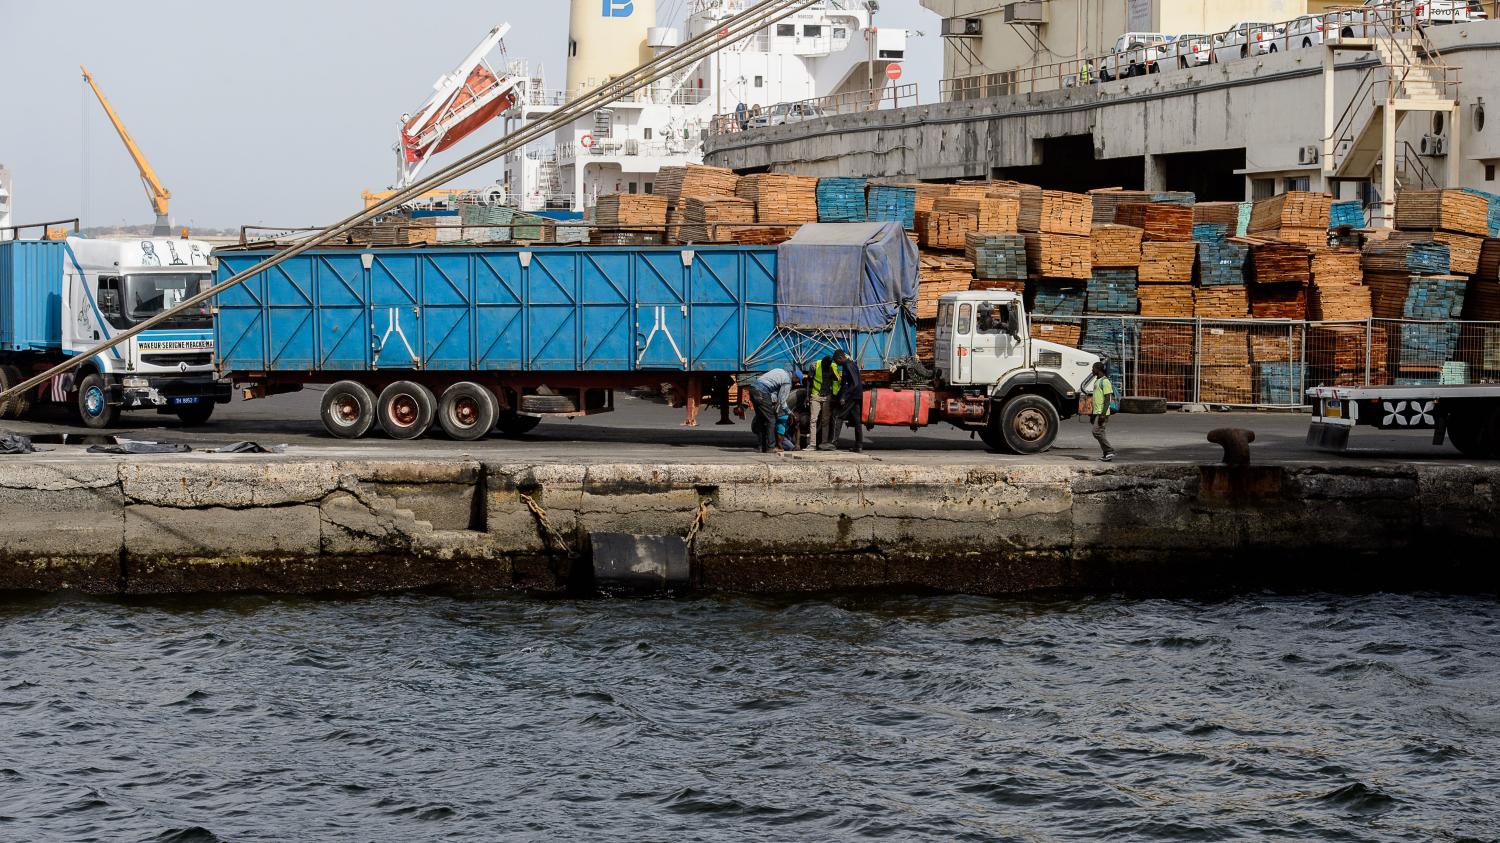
(784, 113)
(1377, 15)
(1135, 54)
(1306, 31)
(1191, 49)
(1247, 38)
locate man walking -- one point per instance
(1104, 399)
(825, 387)
(768, 395)
(851, 401)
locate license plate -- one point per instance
(178, 402)
(1333, 409)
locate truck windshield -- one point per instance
(148, 295)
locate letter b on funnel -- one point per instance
(619, 8)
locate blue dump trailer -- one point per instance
(544, 331)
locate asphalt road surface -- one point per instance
(643, 431)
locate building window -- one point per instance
(573, 48)
(786, 30)
(646, 133)
(1489, 172)
(1300, 183)
(760, 81)
(650, 188)
(812, 30)
(633, 188)
(840, 33)
(1261, 189)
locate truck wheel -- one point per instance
(514, 424)
(992, 438)
(467, 411)
(19, 406)
(196, 414)
(94, 409)
(1029, 424)
(348, 410)
(405, 409)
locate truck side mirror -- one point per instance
(109, 302)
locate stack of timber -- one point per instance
(1058, 256)
(969, 190)
(1166, 300)
(1170, 223)
(781, 197)
(762, 235)
(710, 219)
(1053, 212)
(621, 210)
(1106, 203)
(1280, 384)
(1425, 346)
(1463, 249)
(669, 182)
(1275, 343)
(1051, 297)
(628, 237)
(938, 275)
(1228, 302)
(1447, 210)
(1482, 302)
(841, 200)
(940, 230)
(1337, 354)
(1277, 262)
(1222, 264)
(1210, 232)
(702, 180)
(1166, 343)
(1224, 365)
(1115, 245)
(1063, 333)
(1489, 260)
(1339, 303)
(1278, 301)
(1111, 337)
(1294, 217)
(1168, 263)
(1346, 214)
(1018, 287)
(1388, 293)
(1234, 216)
(1113, 291)
(1494, 213)
(1336, 266)
(924, 195)
(892, 203)
(1406, 253)
(990, 215)
(998, 257)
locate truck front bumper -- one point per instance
(167, 394)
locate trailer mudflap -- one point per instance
(1328, 437)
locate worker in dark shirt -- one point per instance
(851, 400)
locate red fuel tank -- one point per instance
(898, 407)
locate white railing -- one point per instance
(855, 102)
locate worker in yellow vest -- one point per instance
(827, 378)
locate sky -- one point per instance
(276, 112)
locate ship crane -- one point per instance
(462, 101)
(158, 195)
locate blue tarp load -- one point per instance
(845, 276)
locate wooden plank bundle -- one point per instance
(924, 194)
(1388, 293)
(968, 190)
(1275, 262)
(1106, 203)
(1406, 252)
(1463, 249)
(1167, 343)
(1293, 209)
(940, 230)
(1058, 256)
(1227, 302)
(1171, 223)
(1339, 303)
(1275, 343)
(1222, 264)
(1435, 297)
(1054, 297)
(624, 210)
(997, 256)
(1225, 385)
(710, 219)
(1166, 300)
(1336, 267)
(1063, 333)
(1482, 303)
(1224, 345)
(669, 182)
(1448, 210)
(1280, 384)
(1168, 263)
(600, 237)
(892, 203)
(1018, 287)
(1336, 354)
(1278, 301)
(990, 215)
(763, 235)
(703, 180)
(1235, 216)
(1170, 382)
(841, 200)
(1301, 235)
(1113, 291)
(1053, 212)
(781, 197)
(1351, 214)
(1210, 232)
(1494, 213)
(937, 275)
(1115, 245)
(1489, 260)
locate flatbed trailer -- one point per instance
(1466, 415)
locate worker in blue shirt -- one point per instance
(851, 401)
(768, 395)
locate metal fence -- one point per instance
(1271, 363)
(781, 114)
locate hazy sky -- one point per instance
(274, 112)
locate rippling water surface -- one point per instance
(904, 718)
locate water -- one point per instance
(903, 718)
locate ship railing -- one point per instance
(800, 111)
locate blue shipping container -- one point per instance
(31, 287)
(566, 309)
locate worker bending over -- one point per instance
(768, 395)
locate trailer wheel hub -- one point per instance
(405, 410)
(347, 410)
(1030, 424)
(466, 411)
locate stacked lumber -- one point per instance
(1115, 245)
(702, 180)
(1489, 260)
(892, 203)
(1222, 264)
(1448, 210)
(1350, 214)
(1278, 345)
(1113, 291)
(762, 235)
(1058, 256)
(1063, 333)
(669, 182)
(841, 200)
(600, 237)
(1170, 382)
(1226, 302)
(1210, 232)
(1172, 223)
(1057, 297)
(1106, 203)
(997, 256)
(1166, 300)
(1017, 287)
(968, 190)
(1482, 303)
(1224, 375)
(990, 215)
(1275, 262)
(1224, 345)
(937, 275)
(1110, 337)
(1463, 249)
(622, 210)
(1406, 252)
(1234, 216)
(710, 219)
(1278, 301)
(1280, 384)
(1339, 303)
(1388, 293)
(1167, 343)
(1168, 263)
(1302, 236)
(1336, 267)
(1294, 209)
(924, 194)
(926, 338)
(1336, 354)
(1494, 213)
(1435, 297)
(940, 230)
(1185, 198)
(781, 197)
(1054, 212)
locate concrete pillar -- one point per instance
(1388, 166)
(1156, 172)
(1455, 148)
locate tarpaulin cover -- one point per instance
(845, 276)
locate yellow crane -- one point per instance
(155, 192)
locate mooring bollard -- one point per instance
(1236, 444)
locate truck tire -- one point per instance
(467, 411)
(549, 404)
(92, 398)
(194, 415)
(1029, 424)
(405, 410)
(348, 410)
(512, 423)
(992, 438)
(1143, 405)
(19, 406)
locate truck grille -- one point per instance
(192, 358)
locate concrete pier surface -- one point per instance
(916, 511)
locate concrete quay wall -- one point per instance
(179, 525)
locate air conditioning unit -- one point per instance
(1026, 13)
(963, 28)
(632, 147)
(1307, 155)
(1434, 145)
